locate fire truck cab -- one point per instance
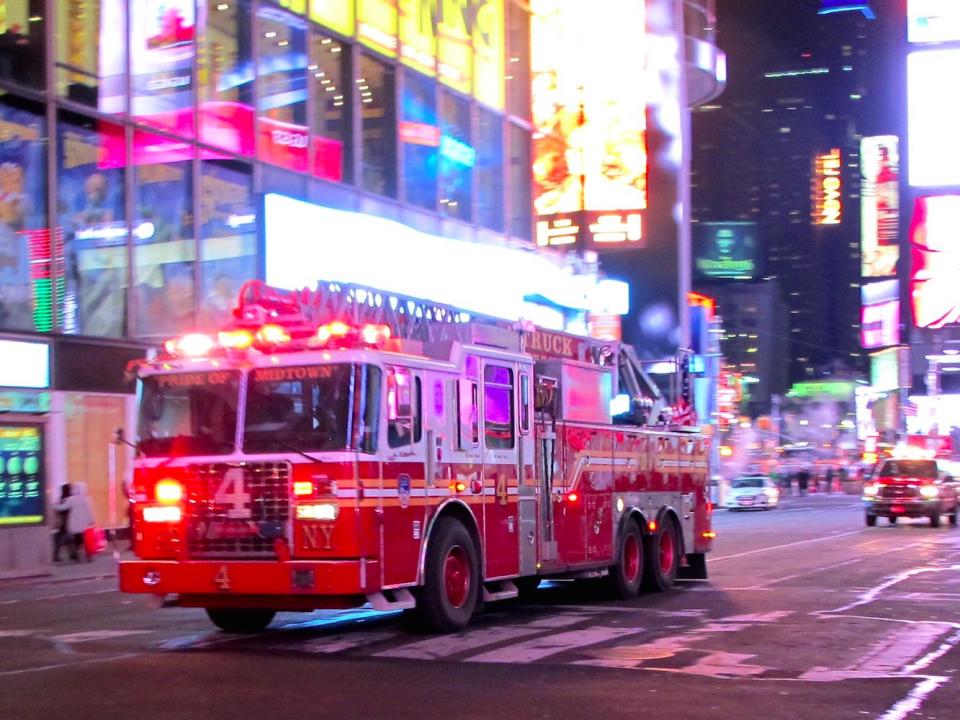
(285, 465)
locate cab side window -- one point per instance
(404, 425)
(498, 420)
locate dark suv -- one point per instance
(910, 488)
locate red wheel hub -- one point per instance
(456, 576)
(631, 559)
(668, 551)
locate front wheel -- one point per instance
(871, 520)
(451, 584)
(626, 573)
(955, 515)
(240, 620)
(662, 557)
(935, 520)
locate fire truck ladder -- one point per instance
(411, 318)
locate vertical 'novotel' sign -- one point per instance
(827, 188)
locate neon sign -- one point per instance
(828, 204)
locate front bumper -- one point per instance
(315, 583)
(757, 501)
(904, 507)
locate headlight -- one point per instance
(929, 491)
(168, 492)
(871, 490)
(771, 493)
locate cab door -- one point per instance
(501, 473)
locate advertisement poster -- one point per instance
(22, 209)
(725, 251)
(229, 241)
(935, 261)
(164, 249)
(418, 36)
(21, 475)
(453, 47)
(377, 25)
(879, 206)
(590, 142)
(162, 54)
(334, 14)
(488, 54)
(92, 216)
(880, 314)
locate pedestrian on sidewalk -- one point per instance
(79, 518)
(61, 538)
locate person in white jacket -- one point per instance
(79, 518)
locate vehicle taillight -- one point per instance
(168, 492)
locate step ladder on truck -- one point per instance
(343, 446)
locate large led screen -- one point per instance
(590, 139)
(725, 251)
(879, 206)
(935, 261)
(933, 21)
(933, 116)
(880, 314)
(21, 475)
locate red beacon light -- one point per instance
(236, 339)
(375, 334)
(193, 345)
(271, 334)
(336, 329)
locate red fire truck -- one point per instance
(428, 462)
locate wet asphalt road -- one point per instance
(807, 614)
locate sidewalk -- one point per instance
(103, 565)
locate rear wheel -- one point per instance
(451, 585)
(892, 519)
(871, 520)
(240, 620)
(627, 573)
(526, 586)
(662, 556)
(696, 567)
(955, 515)
(935, 520)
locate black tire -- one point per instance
(955, 515)
(451, 584)
(626, 574)
(892, 519)
(662, 557)
(935, 520)
(240, 620)
(871, 520)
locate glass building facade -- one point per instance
(137, 138)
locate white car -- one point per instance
(752, 492)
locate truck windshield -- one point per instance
(192, 413)
(312, 408)
(926, 469)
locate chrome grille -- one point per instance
(237, 509)
(898, 492)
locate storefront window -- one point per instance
(375, 85)
(24, 231)
(225, 77)
(228, 238)
(518, 60)
(457, 157)
(490, 170)
(282, 77)
(420, 140)
(162, 59)
(164, 251)
(518, 185)
(22, 27)
(92, 73)
(91, 288)
(332, 108)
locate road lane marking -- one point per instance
(58, 666)
(548, 645)
(914, 699)
(873, 593)
(57, 597)
(91, 635)
(341, 642)
(784, 545)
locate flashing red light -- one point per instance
(458, 487)
(652, 526)
(708, 534)
(572, 497)
(168, 492)
(191, 345)
(236, 339)
(273, 335)
(375, 334)
(331, 330)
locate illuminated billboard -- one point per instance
(880, 314)
(725, 251)
(879, 206)
(933, 21)
(935, 261)
(590, 134)
(828, 188)
(21, 475)
(933, 116)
